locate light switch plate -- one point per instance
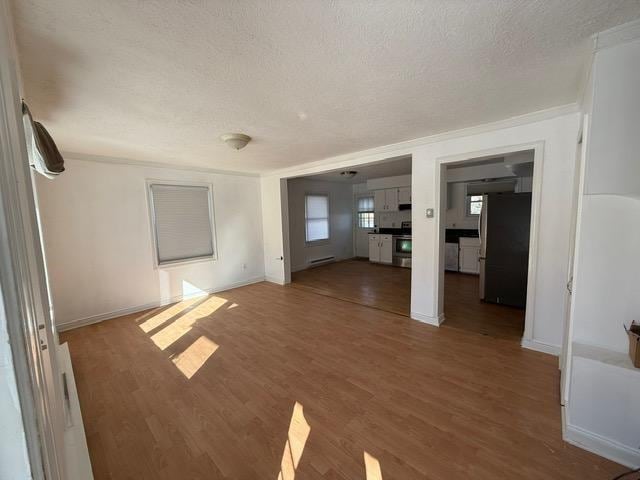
(429, 212)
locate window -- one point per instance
(474, 204)
(316, 218)
(365, 212)
(182, 220)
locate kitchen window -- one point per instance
(366, 212)
(316, 216)
(474, 205)
(182, 222)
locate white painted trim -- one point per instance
(541, 347)
(81, 322)
(139, 163)
(385, 152)
(627, 32)
(605, 447)
(538, 165)
(76, 452)
(421, 317)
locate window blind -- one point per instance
(182, 222)
(365, 204)
(317, 217)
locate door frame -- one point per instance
(440, 194)
(32, 335)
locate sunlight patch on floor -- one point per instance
(372, 467)
(296, 439)
(156, 320)
(194, 357)
(182, 325)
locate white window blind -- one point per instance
(366, 212)
(182, 221)
(317, 217)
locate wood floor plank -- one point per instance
(425, 402)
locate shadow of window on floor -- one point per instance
(297, 436)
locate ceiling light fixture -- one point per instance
(348, 173)
(236, 140)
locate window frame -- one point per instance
(358, 211)
(468, 202)
(152, 222)
(320, 241)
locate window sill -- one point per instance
(317, 243)
(183, 263)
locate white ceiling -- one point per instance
(388, 168)
(160, 81)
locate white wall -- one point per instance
(340, 243)
(99, 247)
(559, 136)
(456, 214)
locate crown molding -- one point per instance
(387, 152)
(139, 163)
(627, 32)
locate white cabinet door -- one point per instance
(451, 257)
(374, 248)
(404, 195)
(386, 249)
(391, 195)
(380, 200)
(470, 259)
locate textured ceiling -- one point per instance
(160, 81)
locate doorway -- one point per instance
(487, 234)
(349, 234)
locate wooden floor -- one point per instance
(389, 288)
(266, 381)
(359, 281)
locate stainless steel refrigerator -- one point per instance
(504, 225)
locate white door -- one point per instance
(391, 195)
(404, 195)
(380, 201)
(386, 249)
(374, 248)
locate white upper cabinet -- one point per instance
(386, 200)
(380, 201)
(404, 195)
(391, 195)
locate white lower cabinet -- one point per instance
(381, 248)
(469, 255)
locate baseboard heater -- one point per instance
(320, 261)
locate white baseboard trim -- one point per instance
(541, 347)
(81, 322)
(605, 447)
(421, 317)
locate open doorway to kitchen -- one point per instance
(487, 209)
(350, 234)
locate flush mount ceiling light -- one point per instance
(348, 173)
(236, 140)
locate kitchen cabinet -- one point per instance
(380, 248)
(386, 200)
(469, 258)
(404, 195)
(451, 257)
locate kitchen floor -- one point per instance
(388, 288)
